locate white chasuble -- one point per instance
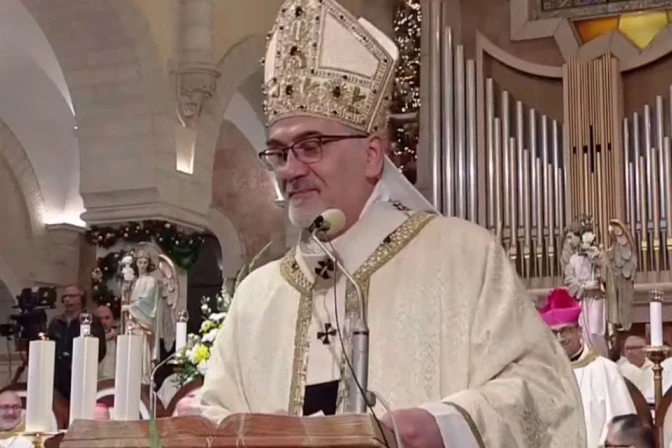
(451, 326)
(603, 393)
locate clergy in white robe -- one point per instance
(604, 393)
(636, 367)
(456, 346)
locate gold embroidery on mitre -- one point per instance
(322, 62)
(290, 271)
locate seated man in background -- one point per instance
(11, 414)
(629, 431)
(636, 367)
(604, 393)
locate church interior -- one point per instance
(130, 130)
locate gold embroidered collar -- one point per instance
(292, 273)
(589, 356)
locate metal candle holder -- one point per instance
(38, 438)
(657, 354)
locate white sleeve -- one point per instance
(455, 430)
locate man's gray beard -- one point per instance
(303, 218)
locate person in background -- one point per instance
(636, 367)
(106, 368)
(11, 414)
(64, 329)
(604, 394)
(628, 431)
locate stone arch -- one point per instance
(233, 248)
(9, 278)
(243, 191)
(17, 159)
(237, 65)
(114, 77)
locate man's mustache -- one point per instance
(299, 185)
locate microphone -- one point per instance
(328, 223)
(360, 399)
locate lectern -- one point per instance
(248, 430)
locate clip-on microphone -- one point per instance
(360, 399)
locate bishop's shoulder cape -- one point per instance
(449, 321)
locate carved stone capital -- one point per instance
(195, 84)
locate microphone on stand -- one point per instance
(360, 399)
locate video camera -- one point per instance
(32, 318)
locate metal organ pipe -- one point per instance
(491, 127)
(471, 139)
(448, 123)
(435, 101)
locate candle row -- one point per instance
(128, 377)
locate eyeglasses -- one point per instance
(634, 348)
(308, 150)
(565, 332)
(9, 407)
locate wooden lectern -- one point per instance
(248, 430)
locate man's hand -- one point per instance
(417, 427)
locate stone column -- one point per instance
(64, 247)
(195, 74)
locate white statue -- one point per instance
(150, 308)
(603, 281)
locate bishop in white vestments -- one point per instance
(603, 391)
(456, 346)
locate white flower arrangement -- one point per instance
(194, 359)
(588, 238)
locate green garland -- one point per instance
(181, 247)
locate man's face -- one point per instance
(569, 337)
(11, 411)
(105, 316)
(343, 177)
(634, 350)
(72, 299)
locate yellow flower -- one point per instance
(201, 353)
(207, 326)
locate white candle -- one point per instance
(39, 403)
(84, 378)
(180, 336)
(128, 377)
(656, 318)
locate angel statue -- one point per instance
(151, 309)
(603, 281)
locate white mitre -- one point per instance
(323, 62)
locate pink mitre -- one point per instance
(560, 309)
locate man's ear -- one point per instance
(375, 156)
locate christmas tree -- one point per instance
(406, 95)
